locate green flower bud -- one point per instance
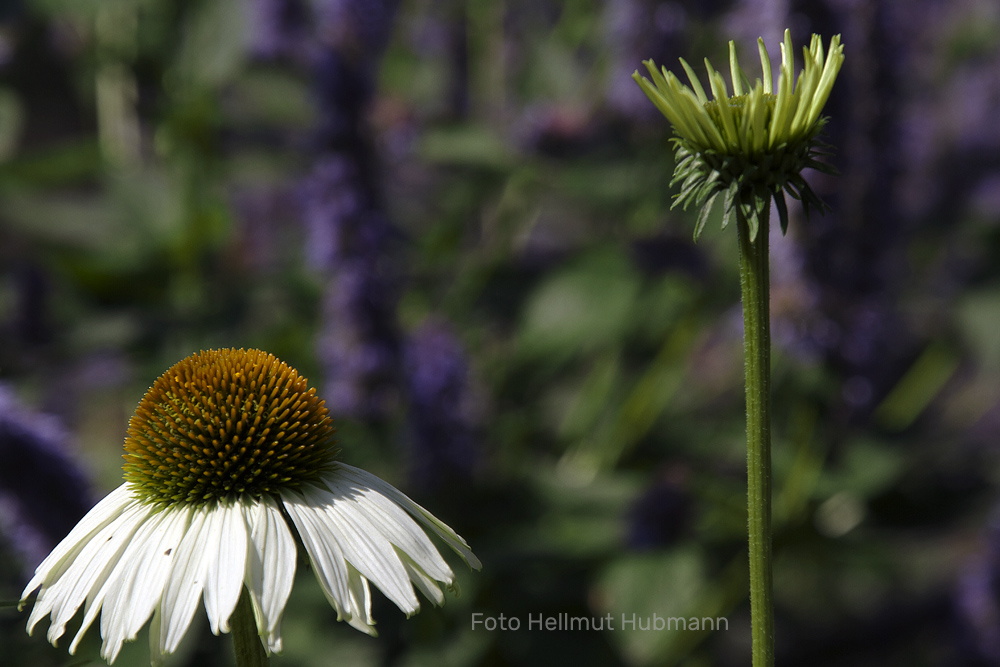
(754, 144)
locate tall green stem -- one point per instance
(755, 283)
(246, 641)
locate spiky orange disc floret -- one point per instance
(225, 423)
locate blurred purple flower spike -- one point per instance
(300, 30)
(445, 447)
(977, 600)
(342, 222)
(333, 205)
(350, 240)
(279, 29)
(359, 344)
(43, 492)
(349, 236)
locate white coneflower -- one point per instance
(229, 455)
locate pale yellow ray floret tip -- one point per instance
(719, 92)
(804, 91)
(691, 119)
(665, 97)
(778, 112)
(759, 113)
(706, 131)
(834, 60)
(784, 103)
(734, 69)
(695, 84)
(658, 94)
(765, 65)
(786, 49)
(722, 104)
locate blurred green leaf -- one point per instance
(644, 403)
(66, 164)
(11, 122)
(979, 319)
(917, 388)
(591, 398)
(214, 43)
(270, 98)
(603, 183)
(646, 587)
(585, 306)
(466, 649)
(866, 469)
(467, 146)
(584, 514)
(800, 468)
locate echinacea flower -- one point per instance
(229, 459)
(754, 144)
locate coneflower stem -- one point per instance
(246, 641)
(755, 284)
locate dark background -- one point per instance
(454, 218)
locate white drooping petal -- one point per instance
(450, 537)
(361, 598)
(135, 586)
(128, 560)
(226, 537)
(102, 514)
(327, 560)
(364, 546)
(392, 521)
(427, 585)
(156, 656)
(79, 579)
(88, 572)
(185, 584)
(130, 523)
(152, 572)
(270, 567)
